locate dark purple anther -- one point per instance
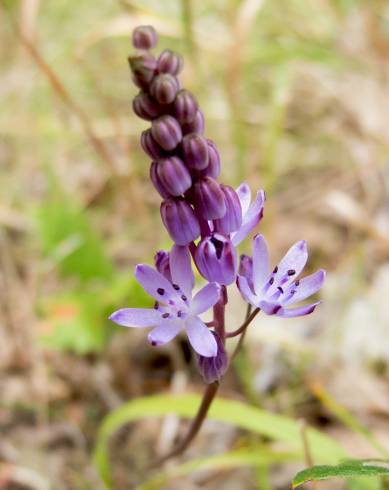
(150, 146)
(144, 37)
(180, 221)
(164, 88)
(232, 220)
(195, 151)
(146, 107)
(195, 126)
(143, 67)
(185, 107)
(162, 264)
(209, 199)
(166, 132)
(213, 368)
(170, 62)
(216, 259)
(173, 175)
(157, 181)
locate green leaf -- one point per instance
(277, 427)
(347, 469)
(233, 459)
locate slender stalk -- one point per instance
(243, 335)
(196, 424)
(244, 325)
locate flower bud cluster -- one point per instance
(185, 164)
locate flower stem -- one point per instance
(244, 325)
(241, 338)
(196, 424)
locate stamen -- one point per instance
(161, 291)
(153, 343)
(275, 270)
(184, 298)
(276, 309)
(176, 287)
(156, 305)
(171, 302)
(271, 281)
(280, 289)
(165, 315)
(291, 272)
(179, 313)
(297, 282)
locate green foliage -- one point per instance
(252, 456)
(347, 469)
(276, 427)
(69, 241)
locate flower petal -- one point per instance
(293, 312)
(205, 298)
(136, 317)
(155, 283)
(165, 332)
(294, 260)
(260, 263)
(306, 287)
(181, 269)
(245, 291)
(244, 194)
(200, 337)
(250, 219)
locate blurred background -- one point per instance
(295, 95)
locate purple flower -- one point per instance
(175, 309)
(252, 212)
(274, 292)
(216, 259)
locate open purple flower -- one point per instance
(274, 292)
(175, 310)
(252, 212)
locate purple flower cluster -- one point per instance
(206, 220)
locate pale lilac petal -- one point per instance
(154, 283)
(205, 298)
(181, 269)
(136, 317)
(270, 308)
(294, 260)
(260, 263)
(245, 291)
(244, 194)
(250, 219)
(200, 337)
(306, 287)
(293, 312)
(165, 332)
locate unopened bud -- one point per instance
(195, 126)
(166, 132)
(164, 88)
(150, 146)
(195, 151)
(209, 199)
(216, 259)
(232, 220)
(173, 175)
(146, 107)
(143, 67)
(144, 37)
(170, 62)
(157, 181)
(213, 368)
(180, 220)
(185, 107)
